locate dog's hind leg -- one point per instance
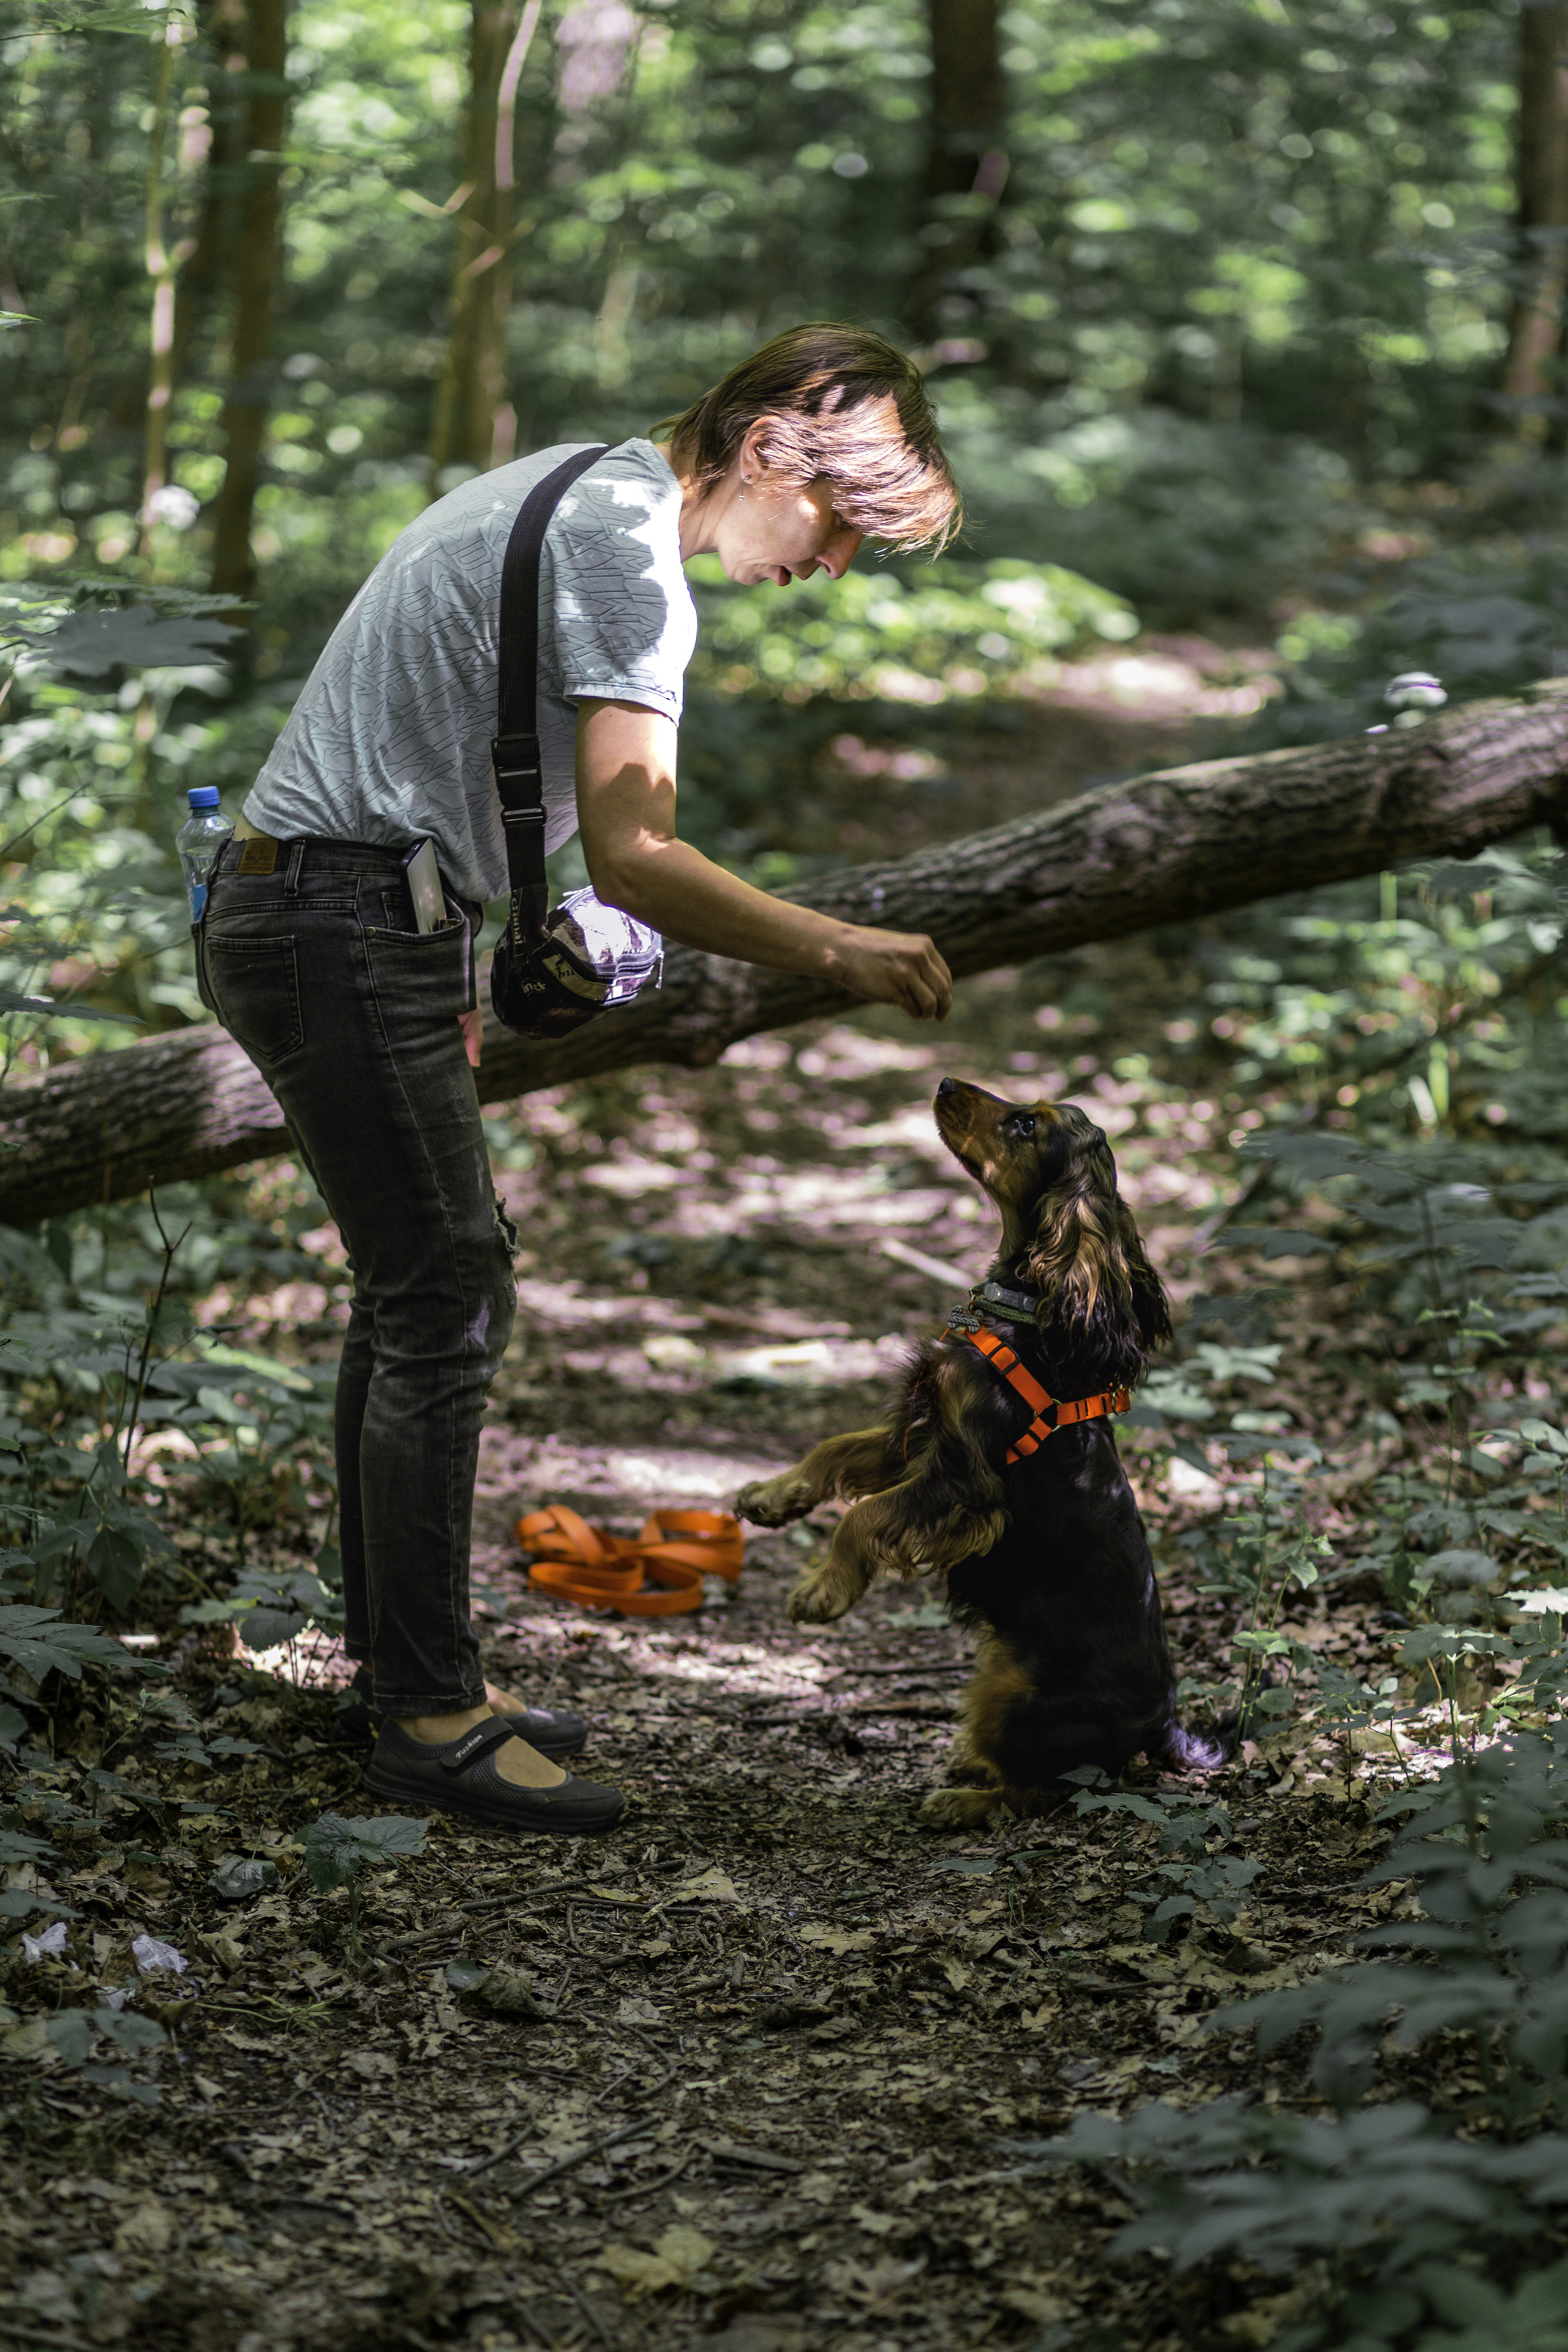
(999, 1685)
(859, 1464)
(960, 1809)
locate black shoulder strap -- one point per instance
(514, 748)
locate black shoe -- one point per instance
(553, 1731)
(460, 1776)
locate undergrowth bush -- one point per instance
(1367, 2202)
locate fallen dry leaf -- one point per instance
(677, 2258)
(823, 1938)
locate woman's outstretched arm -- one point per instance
(626, 810)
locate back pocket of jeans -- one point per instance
(255, 992)
(199, 947)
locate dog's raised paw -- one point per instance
(773, 1502)
(959, 1808)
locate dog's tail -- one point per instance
(1211, 1751)
(1202, 1751)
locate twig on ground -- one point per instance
(669, 2073)
(595, 2148)
(586, 2308)
(758, 2159)
(485, 2162)
(649, 2188)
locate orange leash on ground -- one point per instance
(674, 1553)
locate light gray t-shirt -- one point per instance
(391, 738)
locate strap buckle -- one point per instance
(518, 769)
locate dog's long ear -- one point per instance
(1076, 1259)
(1149, 1304)
(1098, 1290)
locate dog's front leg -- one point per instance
(834, 1586)
(946, 1508)
(855, 1465)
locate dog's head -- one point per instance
(1066, 1231)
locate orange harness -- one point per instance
(1064, 1411)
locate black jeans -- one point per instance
(351, 1016)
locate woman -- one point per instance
(310, 955)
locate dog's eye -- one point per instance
(1023, 1126)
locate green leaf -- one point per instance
(129, 2030)
(240, 1877)
(114, 1563)
(16, 1847)
(464, 1975)
(336, 1848)
(148, 1798)
(71, 2033)
(215, 1613)
(40, 1643)
(89, 645)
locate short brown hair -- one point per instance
(825, 390)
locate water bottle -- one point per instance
(198, 841)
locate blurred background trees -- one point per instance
(1243, 318)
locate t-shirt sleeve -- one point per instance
(624, 619)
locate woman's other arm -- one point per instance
(626, 810)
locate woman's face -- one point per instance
(762, 528)
(769, 530)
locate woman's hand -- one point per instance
(893, 967)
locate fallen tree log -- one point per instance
(1164, 848)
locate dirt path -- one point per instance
(787, 2037)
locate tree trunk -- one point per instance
(161, 269)
(256, 279)
(1163, 848)
(221, 30)
(1531, 368)
(966, 160)
(474, 424)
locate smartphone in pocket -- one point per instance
(425, 887)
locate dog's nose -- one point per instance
(945, 1088)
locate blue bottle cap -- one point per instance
(202, 796)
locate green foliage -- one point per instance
(101, 1350)
(337, 1849)
(37, 1641)
(238, 1878)
(75, 2033)
(1380, 2191)
(338, 1853)
(873, 633)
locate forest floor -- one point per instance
(788, 2035)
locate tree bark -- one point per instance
(256, 279)
(966, 157)
(1531, 368)
(1162, 848)
(161, 270)
(221, 30)
(474, 423)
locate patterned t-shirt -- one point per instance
(391, 738)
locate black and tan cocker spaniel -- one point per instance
(998, 1467)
